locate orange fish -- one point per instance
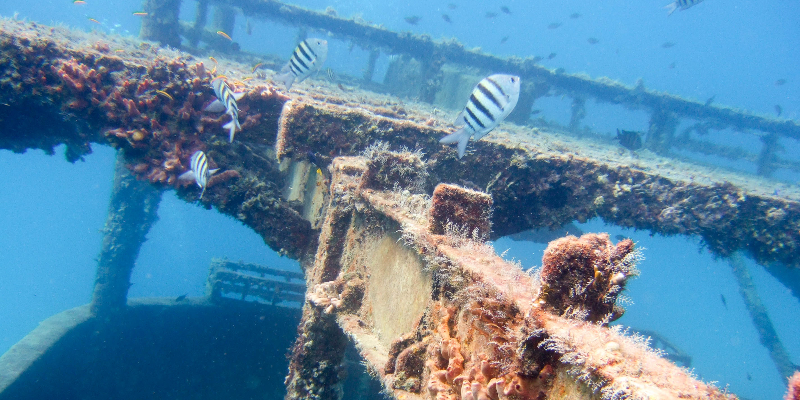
(255, 67)
(94, 20)
(225, 35)
(140, 14)
(78, 2)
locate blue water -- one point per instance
(736, 51)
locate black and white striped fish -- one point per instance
(307, 59)
(680, 5)
(226, 101)
(490, 102)
(199, 171)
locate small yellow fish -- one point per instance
(213, 71)
(245, 79)
(165, 94)
(225, 35)
(319, 172)
(119, 51)
(78, 2)
(220, 77)
(94, 20)
(140, 14)
(255, 67)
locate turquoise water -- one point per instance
(735, 51)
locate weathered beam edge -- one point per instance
(109, 86)
(424, 47)
(536, 179)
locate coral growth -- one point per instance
(582, 277)
(468, 209)
(793, 390)
(387, 169)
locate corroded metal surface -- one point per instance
(535, 179)
(442, 316)
(377, 267)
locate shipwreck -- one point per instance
(389, 226)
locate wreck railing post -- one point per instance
(161, 23)
(370, 70)
(768, 156)
(431, 77)
(201, 17)
(224, 18)
(132, 210)
(578, 113)
(661, 131)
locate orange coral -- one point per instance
(793, 390)
(584, 276)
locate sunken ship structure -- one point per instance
(399, 288)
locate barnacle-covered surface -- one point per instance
(104, 89)
(472, 326)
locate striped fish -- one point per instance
(307, 59)
(490, 102)
(226, 101)
(199, 171)
(680, 5)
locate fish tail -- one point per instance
(286, 78)
(232, 127)
(671, 7)
(461, 136)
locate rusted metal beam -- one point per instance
(536, 179)
(423, 47)
(441, 316)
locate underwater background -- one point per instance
(743, 54)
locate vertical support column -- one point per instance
(315, 363)
(662, 129)
(224, 19)
(161, 22)
(578, 113)
(370, 70)
(767, 158)
(758, 313)
(431, 77)
(200, 19)
(132, 210)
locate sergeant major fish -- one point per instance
(681, 5)
(307, 59)
(490, 102)
(226, 101)
(199, 171)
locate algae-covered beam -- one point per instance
(132, 210)
(423, 47)
(150, 101)
(436, 314)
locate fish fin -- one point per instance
(232, 127)
(461, 136)
(238, 96)
(459, 119)
(286, 78)
(187, 176)
(212, 171)
(215, 106)
(201, 193)
(671, 7)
